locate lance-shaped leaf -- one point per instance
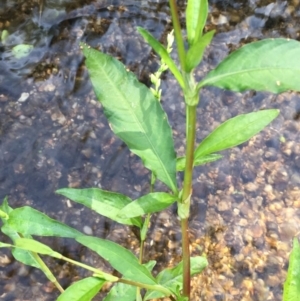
(104, 202)
(35, 246)
(28, 221)
(119, 258)
(235, 131)
(125, 292)
(5, 245)
(269, 65)
(172, 278)
(163, 53)
(291, 287)
(180, 163)
(150, 203)
(19, 254)
(82, 290)
(196, 15)
(134, 114)
(196, 51)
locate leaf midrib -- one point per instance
(223, 138)
(140, 125)
(212, 79)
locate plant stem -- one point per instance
(177, 31)
(186, 196)
(47, 271)
(154, 287)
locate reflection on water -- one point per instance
(53, 135)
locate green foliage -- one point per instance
(137, 118)
(28, 221)
(163, 53)
(150, 203)
(196, 51)
(235, 131)
(104, 202)
(121, 292)
(172, 278)
(196, 15)
(120, 259)
(267, 65)
(291, 288)
(82, 290)
(134, 114)
(180, 164)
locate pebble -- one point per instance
(24, 96)
(87, 230)
(224, 206)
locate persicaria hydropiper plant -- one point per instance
(137, 118)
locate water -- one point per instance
(53, 135)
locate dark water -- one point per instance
(53, 135)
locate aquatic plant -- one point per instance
(136, 116)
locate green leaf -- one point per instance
(162, 52)
(5, 207)
(21, 50)
(180, 164)
(150, 203)
(28, 221)
(19, 254)
(121, 292)
(268, 65)
(35, 246)
(125, 292)
(291, 287)
(103, 202)
(4, 245)
(134, 114)
(150, 265)
(235, 131)
(172, 278)
(196, 15)
(120, 259)
(196, 51)
(82, 290)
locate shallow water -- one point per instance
(53, 135)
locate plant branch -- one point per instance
(154, 287)
(47, 271)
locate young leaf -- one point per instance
(196, 51)
(28, 221)
(103, 202)
(120, 259)
(268, 65)
(35, 246)
(121, 292)
(134, 114)
(196, 15)
(150, 203)
(4, 245)
(291, 287)
(180, 163)
(163, 53)
(235, 131)
(82, 290)
(5, 207)
(172, 278)
(21, 255)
